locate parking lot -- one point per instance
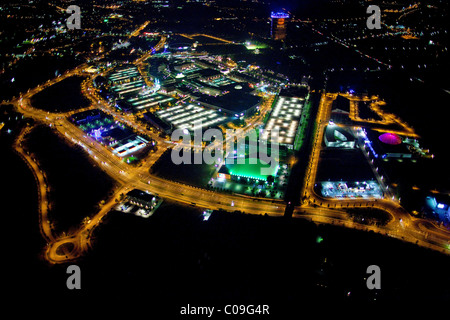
(358, 189)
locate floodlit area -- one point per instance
(247, 179)
(123, 74)
(128, 84)
(128, 207)
(120, 139)
(191, 117)
(132, 145)
(358, 189)
(285, 118)
(220, 82)
(129, 87)
(148, 100)
(187, 170)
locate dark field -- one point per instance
(61, 97)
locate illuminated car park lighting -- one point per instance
(340, 189)
(285, 118)
(190, 117)
(135, 83)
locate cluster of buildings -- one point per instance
(140, 203)
(189, 92)
(121, 140)
(181, 93)
(338, 137)
(128, 90)
(343, 170)
(351, 189)
(386, 155)
(207, 84)
(278, 24)
(285, 118)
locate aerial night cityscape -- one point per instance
(225, 158)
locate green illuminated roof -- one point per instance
(253, 171)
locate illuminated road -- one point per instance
(69, 247)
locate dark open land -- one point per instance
(174, 258)
(76, 184)
(343, 164)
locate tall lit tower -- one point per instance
(278, 21)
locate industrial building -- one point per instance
(123, 75)
(248, 170)
(340, 110)
(386, 145)
(285, 118)
(338, 137)
(236, 102)
(142, 199)
(157, 123)
(144, 101)
(121, 140)
(191, 117)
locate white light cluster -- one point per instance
(191, 117)
(285, 117)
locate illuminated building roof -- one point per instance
(248, 170)
(390, 138)
(191, 117)
(338, 137)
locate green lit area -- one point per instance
(253, 45)
(252, 171)
(301, 131)
(130, 159)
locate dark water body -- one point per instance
(26, 277)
